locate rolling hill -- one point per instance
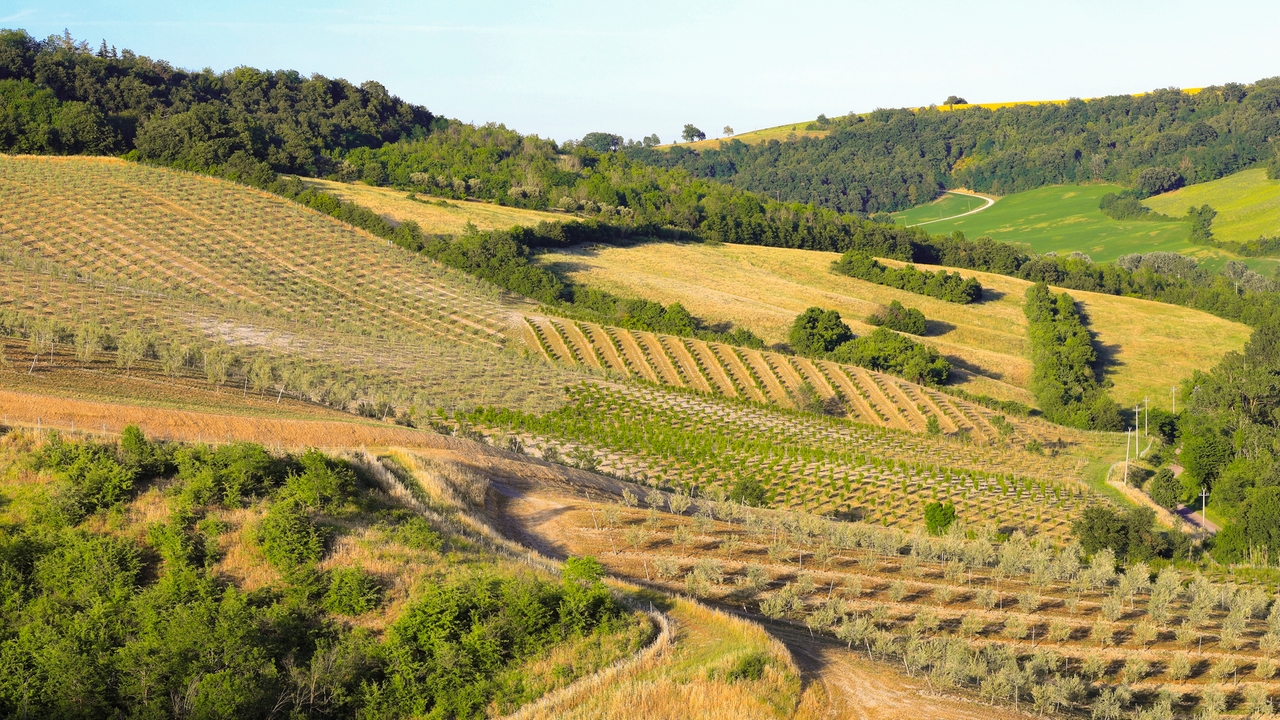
(1149, 346)
(812, 128)
(192, 263)
(435, 215)
(1065, 218)
(1248, 204)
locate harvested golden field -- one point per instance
(435, 215)
(1147, 346)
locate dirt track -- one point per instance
(537, 514)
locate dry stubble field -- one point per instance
(1147, 346)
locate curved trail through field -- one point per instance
(990, 202)
(536, 515)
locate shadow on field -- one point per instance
(959, 363)
(991, 295)
(934, 328)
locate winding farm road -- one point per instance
(990, 202)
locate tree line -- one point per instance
(62, 97)
(940, 284)
(1228, 432)
(1064, 379)
(890, 160)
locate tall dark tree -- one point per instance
(691, 133)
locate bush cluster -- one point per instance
(822, 333)
(95, 624)
(942, 284)
(899, 318)
(1064, 380)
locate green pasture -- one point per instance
(1066, 219)
(1248, 204)
(949, 205)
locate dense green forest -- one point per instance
(891, 160)
(97, 623)
(1230, 433)
(60, 96)
(1064, 379)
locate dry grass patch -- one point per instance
(1148, 346)
(450, 218)
(688, 679)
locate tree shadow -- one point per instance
(990, 295)
(934, 328)
(1108, 360)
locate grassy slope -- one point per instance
(1063, 219)
(1248, 204)
(449, 219)
(1150, 346)
(946, 206)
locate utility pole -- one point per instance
(1174, 391)
(1146, 416)
(1126, 457)
(1137, 449)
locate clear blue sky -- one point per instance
(561, 69)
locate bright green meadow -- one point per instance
(949, 205)
(1248, 204)
(1065, 219)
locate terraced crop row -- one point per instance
(407, 367)
(1015, 620)
(821, 465)
(195, 237)
(869, 397)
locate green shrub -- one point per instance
(230, 474)
(938, 517)
(418, 534)
(748, 667)
(887, 351)
(816, 332)
(1165, 489)
(900, 318)
(352, 592)
(749, 490)
(289, 539)
(322, 482)
(91, 476)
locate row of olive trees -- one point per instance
(219, 363)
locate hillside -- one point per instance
(1248, 204)
(1063, 219)
(434, 215)
(948, 205)
(211, 276)
(815, 128)
(1149, 346)
(894, 159)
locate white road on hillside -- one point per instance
(990, 202)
